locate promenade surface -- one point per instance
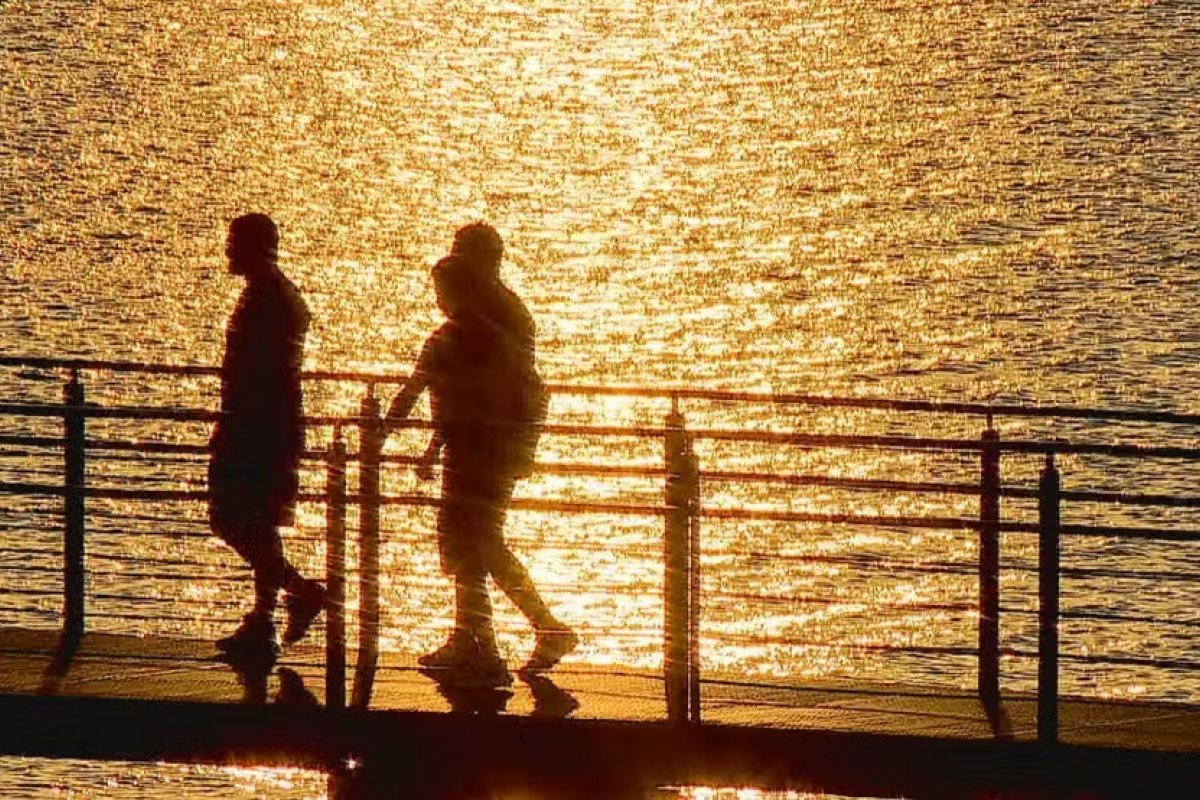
(86, 703)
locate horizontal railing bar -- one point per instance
(681, 393)
(933, 487)
(937, 523)
(94, 613)
(1103, 616)
(35, 489)
(32, 441)
(54, 592)
(108, 514)
(913, 443)
(906, 443)
(1100, 616)
(36, 568)
(1105, 572)
(186, 535)
(838, 601)
(165, 562)
(166, 448)
(620, 470)
(212, 603)
(787, 641)
(1155, 534)
(868, 484)
(632, 509)
(934, 567)
(196, 370)
(1098, 496)
(208, 578)
(556, 468)
(1127, 661)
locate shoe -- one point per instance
(458, 651)
(253, 641)
(551, 645)
(463, 663)
(303, 606)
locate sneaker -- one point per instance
(458, 651)
(303, 606)
(254, 640)
(463, 663)
(549, 649)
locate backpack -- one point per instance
(530, 404)
(488, 384)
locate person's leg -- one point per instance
(305, 597)
(473, 612)
(453, 521)
(254, 638)
(554, 638)
(513, 579)
(262, 549)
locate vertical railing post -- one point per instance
(1049, 522)
(676, 563)
(335, 572)
(370, 446)
(692, 487)
(989, 568)
(74, 576)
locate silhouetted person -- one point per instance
(478, 248)
(256, 445)
(485, 398)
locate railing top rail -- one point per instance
(845, 441)
(680, 393)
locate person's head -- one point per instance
(458, 287)
(252, 245)
(481, 245)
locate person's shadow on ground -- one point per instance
(254, 673)
(465, 698)
(549, 699)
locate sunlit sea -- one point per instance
(974, 200)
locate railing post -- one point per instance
(676, 563)
(989, 568)
(1049, 521)
(74, 576)
(335, 572)
(370, 446)
(691, 482)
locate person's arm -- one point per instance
(403, 402)
(424, 467)
(410, 391)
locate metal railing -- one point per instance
(684, 598)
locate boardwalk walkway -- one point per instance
(148, 697)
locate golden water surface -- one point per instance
(979, 200)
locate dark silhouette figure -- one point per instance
(487, 403)
(256, 445)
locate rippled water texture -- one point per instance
(980, 200)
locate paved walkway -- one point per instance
(172, 698)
